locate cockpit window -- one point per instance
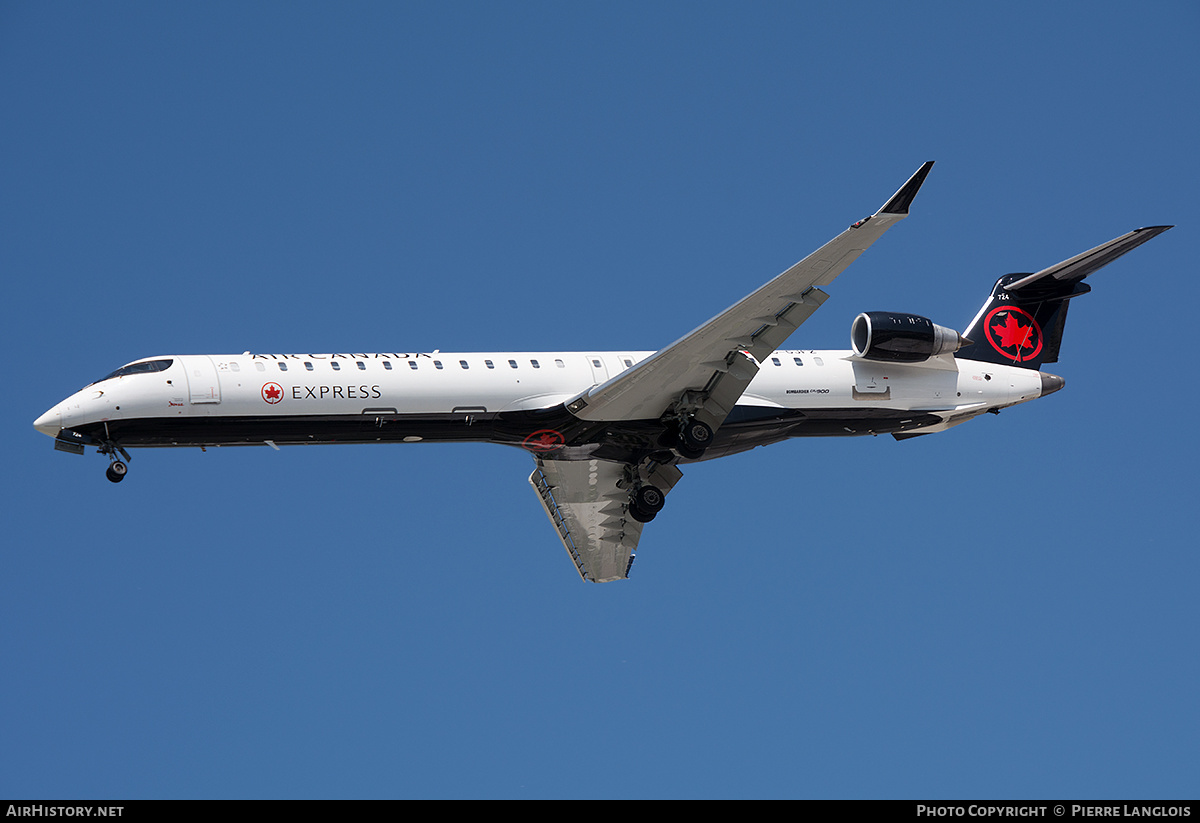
(145, 367)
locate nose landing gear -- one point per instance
(116, 469)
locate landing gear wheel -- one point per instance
(116, 471)
(649, 499)
(690, 440)
(696, 435)
(639, 515)
(647, 502)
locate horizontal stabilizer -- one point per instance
(1092, 260)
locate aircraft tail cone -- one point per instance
(1051, 383)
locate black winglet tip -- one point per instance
(902, 199)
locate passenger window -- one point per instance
(596, 363)
(512, 363)
(489, 364)
(463, 363)
(282, 366)
(818, 361)
(560, 363)
(535, 364)
(361, 365)
(798, 361)
(335, 365)
(437, 364)
(260, 366)
(628, 363)
(412, 364)
(775, 360)
(387, 364)
(308, 365)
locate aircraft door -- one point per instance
(203, 384)
(870, 383)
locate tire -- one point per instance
(649, 499)
(697, 435)
(688, 453)
(639, 515)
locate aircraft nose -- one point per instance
(1051, 383)
(49, 423)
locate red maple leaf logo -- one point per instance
(272, 393)
(543, 440)
(1012, 333)
(1022, 339)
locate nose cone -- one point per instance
(1051, 383)
(49, 423)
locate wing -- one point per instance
(711, 367)
(587, 501)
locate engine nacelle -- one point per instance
(901, 338)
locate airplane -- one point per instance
(608, 431)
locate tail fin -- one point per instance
(1021, 324)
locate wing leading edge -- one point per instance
(711, 366)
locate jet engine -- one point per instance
(901, 338)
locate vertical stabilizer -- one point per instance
(1022, 322)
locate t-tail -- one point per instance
(1021, 324)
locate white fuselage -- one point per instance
(171, 406)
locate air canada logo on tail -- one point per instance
(1014, 333)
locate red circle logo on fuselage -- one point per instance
(544, 440)
(272, 393)
(1014, 333)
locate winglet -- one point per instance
(902, 199)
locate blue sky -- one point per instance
(1005, 610)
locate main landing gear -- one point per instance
(646, 502)
(690, 440)
(684, 436)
